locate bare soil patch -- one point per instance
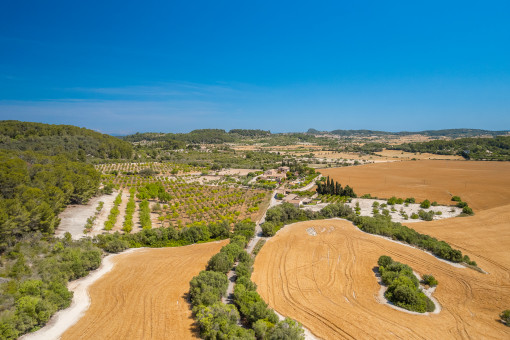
(74, 217)
(143, 297)
(483, 185)
(327, 282)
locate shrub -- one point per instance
(429, 280)
(505, 317)
(425, 204)
(456, 199)
(410, 200)
(467, 210)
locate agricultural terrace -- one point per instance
(175, 201)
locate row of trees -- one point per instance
(330, 187)
(220, 321)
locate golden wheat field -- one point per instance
(143, 297)
(327, 281)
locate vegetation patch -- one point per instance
(403, 286)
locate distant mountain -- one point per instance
(53, 140)
(450, 133)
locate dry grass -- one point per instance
(327, 282)
(143, 297)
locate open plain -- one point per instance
(327, 281)
(143, 297)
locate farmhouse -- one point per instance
(274, 174)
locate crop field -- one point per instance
(483, 185)
(144, 295)
(327, 282)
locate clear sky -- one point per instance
(174, 66)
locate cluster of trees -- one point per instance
(77, 143)
(496, 149)
(152, 191)
(403, 287)
(330, 187)
(36, 271)
(34, 188)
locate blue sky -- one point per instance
(125, 66)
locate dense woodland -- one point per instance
(34, 188)
(77, 143)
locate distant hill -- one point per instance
(76, 142)
(200, 136)
(449, 133)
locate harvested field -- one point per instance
(143, 297)
(327, 282)
(483, 185)
(408, 155)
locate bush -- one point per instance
(410, 200)
(425, 204)
(429, 280)
(505, 317)
(456, 199)
(467, 210)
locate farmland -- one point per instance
(144, 295)
(483, 185)
(176, 198)
(327, 282)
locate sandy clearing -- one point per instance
(483, 185)
(327, 282)
(74, 217)
(143, 297)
